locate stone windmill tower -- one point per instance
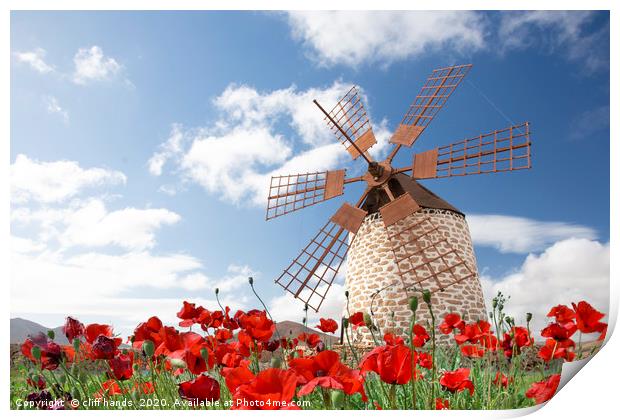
(400, 238)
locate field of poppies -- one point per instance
(220, 360)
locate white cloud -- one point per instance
(565, 31)
(355, 38)
(235, 157)
(130, 228)
(589, 123)
(35, 59)
(52, 182)
(92, 65)
(520, 234)
(568, 271)
(53, 107)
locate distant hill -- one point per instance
(293, 329)
(21, 329)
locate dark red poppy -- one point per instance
(105, 347)
(357, 319)
(588, 318)
(73, 329)
(271, 389)
(92, 331)
(257, 325)
(562, 314)
(190, 314)
(392, 363)
(149, 330)
(50, 351)
(327, 325)
(237, 376)
(420, 336)
(272, 345)
(37, 382)
(288, 344)
(543, 391)
(441, 404)
(457, 381)
(472, 351)
(202, 388)
(122, 366)
(451, 322)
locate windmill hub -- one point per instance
(378, 173)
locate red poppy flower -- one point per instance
(556, 350)
(92, 331)
(73, 329)
(393, 340)
(190, 314)
(515, 340)
(543, 391)
(272, 345)
(472, 351)
(559, 332)
(122, 366)
(105, 347)
(377, 406)
(562, 314)
(223, 335)
(235, 377)
(457, 381)
(50, 351)
(420, 336)
(171, 341)
(501, 380)
(588, 318)
(288, 344)
(423, 360)
(357, 319)
(451, 322)
(191, 353)
(325, 370)
(149, 330)
(327, 325)
(144, 387)
(442, 404)
(108, 389)
(202, 388)
(473, 333)
(392, 363)
(269, 390)
(257, 325)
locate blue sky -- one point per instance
(141, 141)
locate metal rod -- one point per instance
(342, 131)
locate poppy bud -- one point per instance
(217, 291)
(251, 280)
(494, 302)
(367, 320)
(346, 293)
(148, 348)
(136, 366)
(204, 353)
(51, 334)
(413, 303)
(337, 398)
(320, 347)
(528, 317)
(345, 323)
(426, 296)
(500, 307)
(276, 362)
(178, 363)
(303, 320)
(36, 352)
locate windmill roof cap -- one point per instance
(422, 195)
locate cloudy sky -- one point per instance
(142, 146)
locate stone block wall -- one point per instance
(375, 286)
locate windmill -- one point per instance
(401, 238)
